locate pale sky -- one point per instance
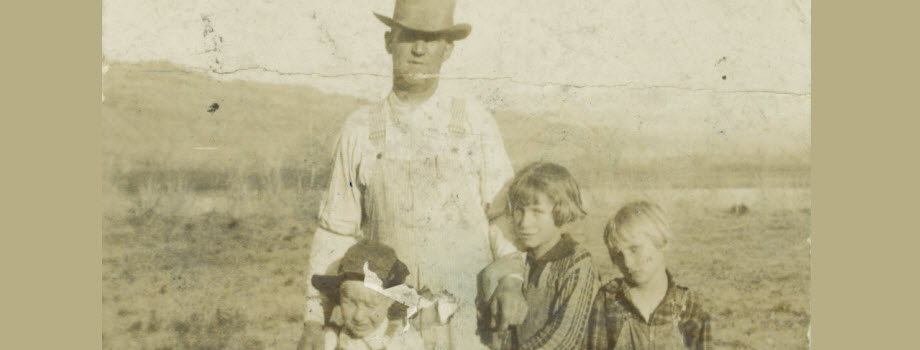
(655, 66)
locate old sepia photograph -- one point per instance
(456, 174)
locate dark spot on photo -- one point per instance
(213, 108)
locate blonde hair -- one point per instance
(639, 212)
(552, 180)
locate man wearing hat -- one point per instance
(418, 172)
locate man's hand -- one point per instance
(507, 305)
(313, 337)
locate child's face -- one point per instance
(363, 309)
(535, 227)
(636, 255)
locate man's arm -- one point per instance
(495, 174)
(502, 284)
(339, 222)
(566, 328)
(496, 171)
(325, 252)
(339, 214)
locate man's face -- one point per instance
(637, 257)
(363, 309)
(417, 56)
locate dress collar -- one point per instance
(620, 285)
(564, 248)
(670, 295)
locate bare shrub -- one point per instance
(739, 209)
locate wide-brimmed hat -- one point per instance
(429, 16)
(380, 259)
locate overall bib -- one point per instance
(424, 201)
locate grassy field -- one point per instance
(209, 215)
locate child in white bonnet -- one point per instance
(365, 318)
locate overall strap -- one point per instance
(458, 120)
(378, 122)
(378, 126)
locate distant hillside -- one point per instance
(597, 155)
(158, 123)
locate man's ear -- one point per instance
(448, 50)
(387, 39)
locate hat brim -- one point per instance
(327, 284)
(457, 31)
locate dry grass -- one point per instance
(213, 280)
(209, 249)
(177, 281)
